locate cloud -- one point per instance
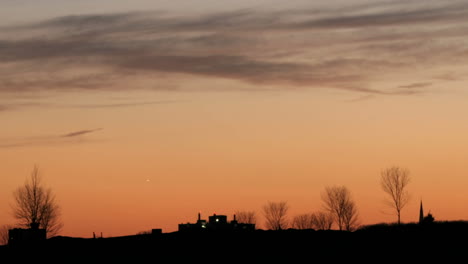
(21, 105)
(342, 48)
(415, 85)
(404, 15)
(80, 132)
(118, 105)
(361, 98)
(18, 105)
(13, 145)
(448, 77)
(48, 140)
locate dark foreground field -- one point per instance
(445, 242)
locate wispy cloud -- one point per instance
(404, 14)
(21, 105)
(11, 106)
(415, 85)
(361, 98)
(343, 48)
(80, 132)
(48, 140)
(118, 105)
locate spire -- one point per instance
(421, 213)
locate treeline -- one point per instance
(35, 206)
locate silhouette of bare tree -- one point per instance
(303, 221)
(275, 214)
(322, 220)
(35, 206)
(350, 216)
(394, 181)
(337, 200)
(246, 217)
(4, 234)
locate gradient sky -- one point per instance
(140, 114)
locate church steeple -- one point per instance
(421, 213)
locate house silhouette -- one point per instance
(25, 237)
(216, 223)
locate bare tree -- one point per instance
(246, 217)
(350, 216)
(337, 200)
(35, 206)
(303, 221)
(4, 235)
(275, 214)
(322, 220)
(319, 221)
(394, 181)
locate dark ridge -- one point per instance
(379, 243)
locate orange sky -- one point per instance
(140, 120)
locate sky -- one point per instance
(141, 114)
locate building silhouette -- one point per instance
(424, 219)
(26, 236)
(421, 213)
(216, 223)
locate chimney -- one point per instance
(199, 217)
(34, 225)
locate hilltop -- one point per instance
(389, 241)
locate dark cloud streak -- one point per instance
(43, 142)
(21, 105)
(48, 140)
(238, 45)
(118, 105)
(80, 132)
(448, 13)
(415, 85)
